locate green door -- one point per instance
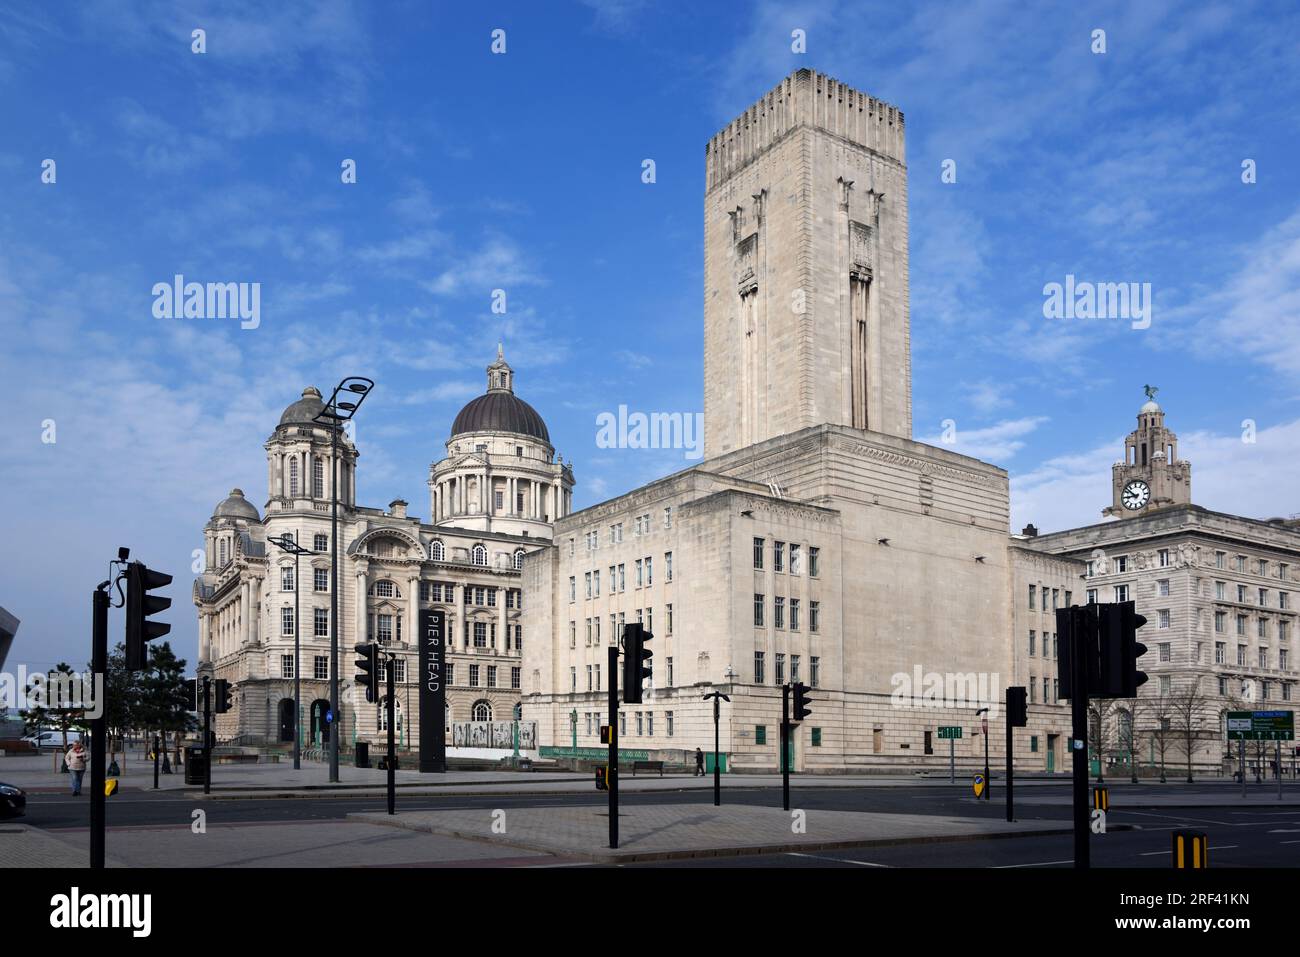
(789, 754)
(708, 762)
(1051, 752)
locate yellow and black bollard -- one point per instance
(1100, 799)
(1191, 850)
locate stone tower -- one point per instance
(805, 267)
(1151, 475)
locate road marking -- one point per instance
(838, 860)
(1289, 842)
(1003, 867)
(1179, 817)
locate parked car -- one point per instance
(13, 801)
(53, 739)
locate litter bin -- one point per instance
(196, 765)
(363, 754)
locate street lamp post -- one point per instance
(984, 732)
(287, 544)
(717, 697)
(333, 416)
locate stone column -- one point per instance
(205, 637)
(501, 625)
(457, 637)
(352, 485)
(244, 612)
(555, 493)
(413, 610)
(255, 607)
(361, 609)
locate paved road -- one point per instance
(1241, 836)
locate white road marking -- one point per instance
(1002, 867)
(838, 860)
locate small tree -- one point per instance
(164, 703)
(1100, 711)
(121, 699)
(1188, 711)
(1162, 733)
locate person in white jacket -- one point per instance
(76, 758)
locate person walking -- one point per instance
(76, 759)
(699, 762)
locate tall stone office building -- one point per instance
(493, 498)
(816, 542)
(1218, 592)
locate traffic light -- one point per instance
(1119, 650)
(635, 661)
(221, 696)
(602, 778)
(368, 666)
(1017, 707)
(802, 705)
(604, 734)
(1077, 623)
(139, 606)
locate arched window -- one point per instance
(383, 714)
(482, 711)
(519, 559)
(293, 478)
(438, 550)
(480, 554)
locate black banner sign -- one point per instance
(433, 691)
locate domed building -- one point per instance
(493, 499)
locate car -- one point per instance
(52, 739)
(13, 801)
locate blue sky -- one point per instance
(522, 171)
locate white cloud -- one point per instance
(498, 264)
(994, 444)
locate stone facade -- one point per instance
(493, 497)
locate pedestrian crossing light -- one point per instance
(222, 697)
(1017, 706)
(602, 778)
(802, 703)
(368, 669)
(139, 606)
(636, 661)
(1120, 650)
(604, 734)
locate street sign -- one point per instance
(949, 731)
(979, 784)
(1261, 726)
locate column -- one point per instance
(205, 637)
(555, 500)
(456, 630)
(255, 603)
(270, 475)
(411, 634)
(510, 494)
(352, 484)
(244, 629)
(501, 624)
(361, 604)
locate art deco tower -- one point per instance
(805, 272)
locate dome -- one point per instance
(1150, 406)
(305, 410)
(236, 506)
(500, 412)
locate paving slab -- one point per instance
(24, 846)
(648, 833)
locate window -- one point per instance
(670, 618)
(519, 559)
(1164, 557)
(814, 615)
(796, 559)
(474, 670)
(573, 588)
(813, 554)
(668, 517)
(760, 734)
(780, 668)
(1241, 656)
(1162, 588)
(640, 727)
(1220, 618)
(1121, 563)
(1262, 626)
(758, 667)
(758, 553)
(622, 579)
(1220, 653)
(482, 711)
(286, 621)
(320, 543)
(1033, 592)
(669, 664)
(480, 634)
(1241, 624)
(1166, 653)
(587, 581)
(1031, 642)
(293, 477)
(1162, 616)
(668, 566)
(1092, 569)
(1220, 559)
(1263, 598)
(668, 718)
(321, 667)
(286, 666)
(778, 612)
(758, 611)
(597, 677)
(1241, 563)
(384, 589)
(622, 724)
(814, 670)
(1281, 599)
(595, 582)
(320, 579)
(650, 723)
(639, 573)
(286, 579)
(1033, 689)
(1121, 592)
(816, 737)
(1164, 684)
(794, 614)
(385, 630)
(649, 571)
(1090, 596)
(1241, 594)
(438, 550)
(451, 672)
(778, 556)
(1263, 657)
(480, 555)
(794, 668)
(321, 622)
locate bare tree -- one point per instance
(1188, 712)
(1162, 733)
(1128, 717)
(1100, 711)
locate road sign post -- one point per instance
(1275, 726)
(952, 732)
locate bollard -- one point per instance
(1100, 799)
(1191, 850)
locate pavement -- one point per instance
(656, 832)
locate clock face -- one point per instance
(1135, 495)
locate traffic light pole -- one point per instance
(156, 744)
(611, 776)
(1079, 728)
(717, 771)
(207, 734)
(334, 599)
(98, 667)
(785, 746)
(392, 739)
(1010, 748)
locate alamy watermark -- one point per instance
(1098, 300)
(656, 430)
(52, 691)
(934, 689)
(179, 299)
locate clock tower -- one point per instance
(1151, 475)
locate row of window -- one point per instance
(778, 677)
(644, 616)
(643, 722)
(320, 671)
(644, 577)
(1243, 596)
(1221, 655)
(1261, 626)
(1051, 648)
(779, 608)
(1240, 563)
(1054, 595)
(779, 557)
(317, 478)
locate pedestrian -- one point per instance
(699, 762)
(76, 759)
